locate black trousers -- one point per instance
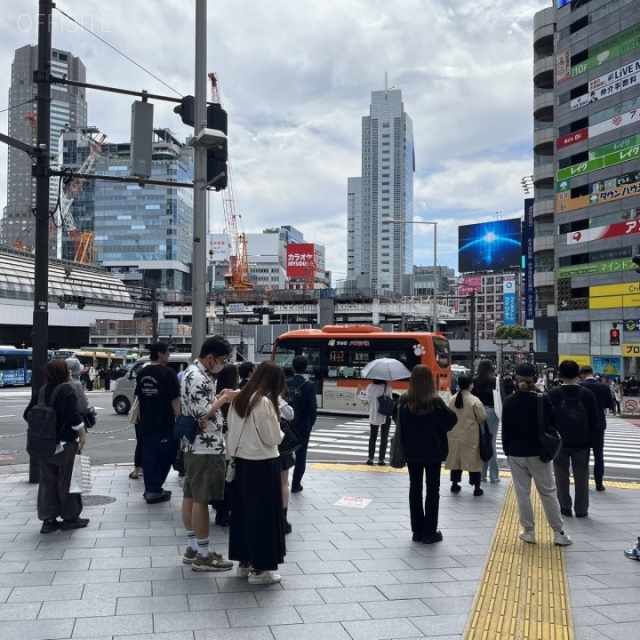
(301, 461)
(598, 456)
(384, 438)
(424, 517)
(54, 498)
(158, 454)
(474, 477)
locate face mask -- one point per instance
(217, 368)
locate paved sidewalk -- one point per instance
(351, 572)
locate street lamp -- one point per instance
(501, 344)
(435, 262)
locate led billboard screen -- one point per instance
(490, 246)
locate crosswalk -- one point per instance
(348, 442)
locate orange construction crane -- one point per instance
(238, 276)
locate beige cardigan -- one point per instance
(257, 436)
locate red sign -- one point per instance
(469, 284)
(572, 138)
(300, 258)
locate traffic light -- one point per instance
(187, 110)
(614, 337)
(217, 156)
(636, 261)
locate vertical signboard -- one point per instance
(509, 301)
(529, 261)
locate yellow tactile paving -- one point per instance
(523, 593)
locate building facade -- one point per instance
(587, 182)
(377, 250)
(144, 235)
(68, 108)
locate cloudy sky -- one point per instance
(296, 78)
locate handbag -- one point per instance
(397, 456)
(550, 439)
(89, 420)
(134, 412)
(385, 404)
(185, 427)
(292, 439)
(497, 398)
(81, 474)
(486, 442)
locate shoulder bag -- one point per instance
(185, 427)
(292, 440)
(550, 439)
(397, 456)
(134, 412)
(385, 404)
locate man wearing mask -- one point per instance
(204, 458)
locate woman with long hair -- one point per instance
(256, 533)
(227, 379)
(464, 438)
(54, 498)
(521, 444)
(425, 420)
(483, 385)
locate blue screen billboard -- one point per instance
(490, 246)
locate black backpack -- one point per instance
(293, 397)
(42, 429)
(572, 421)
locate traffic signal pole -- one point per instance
(199, 269)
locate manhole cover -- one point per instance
(95, 501)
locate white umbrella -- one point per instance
(385, 369)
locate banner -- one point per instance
(563, 66)
(606, 366)
(602, 192)
(218, 247)
(609, 84)
(572, 138)
(597, 162)
(509, 301)
(529, 264)
(470, 284)
(610, 231)
(300, 260)
(595, 268)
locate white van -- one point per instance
(122, 398)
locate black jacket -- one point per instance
(308, 404)
(604, 399)
(588, 399)
(66, 407)
(520, 423)
(425, 437)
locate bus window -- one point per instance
(443, 356)
(406, 351)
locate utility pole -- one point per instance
(40, 339)
(199, 255)
(472, 327)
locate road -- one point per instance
(334, 438)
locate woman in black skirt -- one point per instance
(256, 533)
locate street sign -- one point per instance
(630, 405)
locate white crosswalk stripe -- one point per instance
(350, 440)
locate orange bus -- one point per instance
(337, 354)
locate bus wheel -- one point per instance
(121, 405)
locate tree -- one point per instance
(515, 332)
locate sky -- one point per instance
(296, 77)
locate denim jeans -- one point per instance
(492, 465)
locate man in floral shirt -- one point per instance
(204, 459)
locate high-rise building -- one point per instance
(382, 253)
(586, 182)
(68, 108)
(144, 235)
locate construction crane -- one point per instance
(238, 276)
(83, 241)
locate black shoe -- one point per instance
(287, 527)
(165, 497)
(297, 488)
(432, 537)
(417, 537)
(369, 462)
(382, 463)
(566, 512)
(76, 523)
(582, 515)
(478, 492)
(48, 526)
(455, 487)
(600, 487)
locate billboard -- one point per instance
(529, 261)
(490, 246)
(606, 366)
(468, 284)
(300, 259)
(218, 247)
(509, 301)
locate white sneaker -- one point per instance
(528, 536)
(561, 538)
(266, 577)
(243, 572)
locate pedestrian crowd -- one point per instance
(225, 427)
